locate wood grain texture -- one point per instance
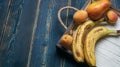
(4, 11)
(30, 30)
(18, 33)
(45, 40)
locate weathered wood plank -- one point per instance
(18, 33)
(52, 58)
(115, 3)
(44, 51)
(4, 10)
(8, 34)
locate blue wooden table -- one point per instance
(30, 30)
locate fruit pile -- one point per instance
(84, 37)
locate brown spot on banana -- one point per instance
(78, 54)
(98, 30)
(86, 30)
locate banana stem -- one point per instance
(99, 21)
(114, 32)
(118, 32)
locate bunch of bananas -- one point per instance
(88, 33)
(82, 42)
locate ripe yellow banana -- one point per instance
(77, 45)
(90, 41)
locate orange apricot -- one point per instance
(66, 41)
(112, 17)
(80, 16)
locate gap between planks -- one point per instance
(34, 29)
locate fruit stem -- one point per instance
(114, 32)
(99, 21)
(118, 32)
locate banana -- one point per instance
(78, 37)
(77, 45)
(91, 38)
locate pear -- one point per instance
(97, 9)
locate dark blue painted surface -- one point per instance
(29, 31)
(4, 10)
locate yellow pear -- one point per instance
(97, 9)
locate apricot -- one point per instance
(66, 41)
(97, 9)
(112, 17)
(80, 16)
